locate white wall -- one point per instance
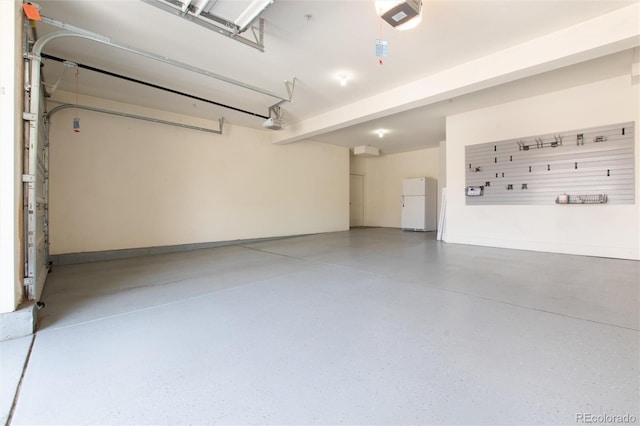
(597, 230)
(383, 182)
(357, 165)
(123, 183)
(10, 154)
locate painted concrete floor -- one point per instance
(371, 326)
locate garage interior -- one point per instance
(203, 212)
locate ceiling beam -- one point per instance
(606, 34)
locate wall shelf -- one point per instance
(582, 199)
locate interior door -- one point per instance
(356, 200)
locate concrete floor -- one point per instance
(369, 326)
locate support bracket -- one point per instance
(275, 108)
(31, 56)
(290, 86)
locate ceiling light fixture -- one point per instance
(400, 14)
(381, 132)
(343, 77)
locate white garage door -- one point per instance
(36, 181)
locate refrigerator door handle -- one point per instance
(403, 201)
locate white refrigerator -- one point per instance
(419, 207)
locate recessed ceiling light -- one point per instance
(343, 77)
(381, 132)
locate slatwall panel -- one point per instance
(538, 169)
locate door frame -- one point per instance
(363, 198)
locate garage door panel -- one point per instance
(36, 194)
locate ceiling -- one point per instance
(315, 42)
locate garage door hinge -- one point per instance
(28, 281)
(32, 56)
(28, 178)
(28, 116)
